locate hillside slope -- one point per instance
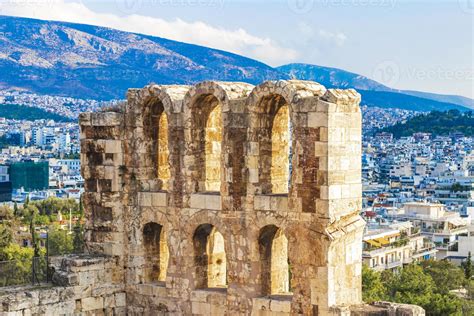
(77, 60)
(21, 112)
(436, 123)
(375, 93)
(91, 62)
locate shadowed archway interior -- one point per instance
(156, 253)
(210, 257)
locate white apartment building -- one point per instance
(441, 227)
(395, 245)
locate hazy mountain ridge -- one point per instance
(374, 93)
(91, 62)
(77, 60)
(331, 77)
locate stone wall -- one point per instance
(220, 199)
(243, 234)
(87, 285)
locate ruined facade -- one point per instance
(223, 199)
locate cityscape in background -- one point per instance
(174, 158)
(418, 190)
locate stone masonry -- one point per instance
(238, 236)
(225, 199)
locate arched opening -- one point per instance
(280, 167)
(156, 253)
(206, 142)
(272, 130)
(163, 151)
(155, 128)
(209, 258)
(275, 267)
(213, 138)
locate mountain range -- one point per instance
(85, 61)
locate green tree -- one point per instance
(467, 265)
(372, 286)
(468, 303)
(6, 212)
(427, 284)
(53, 205)
(16, 212)
(81, 207)
(410, 285)
(435, 122)
(78, 241)
(30, 211)
(18, 268)
(441, 305)
(42, 220)
(6, 236)
(445, 275)
(60, 241)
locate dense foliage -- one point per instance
(437, 123)
(429, 285)
(20, 112)
(34, 219)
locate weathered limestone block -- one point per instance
(92, 303)
(380, 308)
(348, 97)
(106, 119)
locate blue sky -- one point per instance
(417, 45)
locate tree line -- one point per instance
(436, 123)
(28, 222)
(440, 287)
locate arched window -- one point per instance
(156, 253)
(205, 143)
(275, 266)
(213, 137)
(210, 258)
(280, 167)
(155, 127)
(271, 129)
(163, 151)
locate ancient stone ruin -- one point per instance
(220, 199)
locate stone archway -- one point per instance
(275, 267)
(209, 257)
(205, 142)
(280, 152)
(271, 133)
(156, 253)
(212, 149)
(155, 129)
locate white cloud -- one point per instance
(308, 33)
(238, 41)
(338, 38)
